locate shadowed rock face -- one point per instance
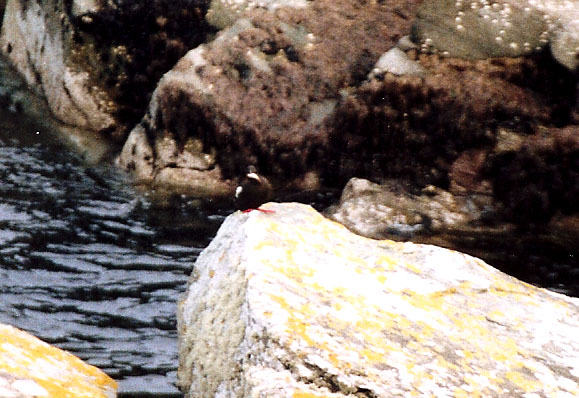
(539, 178)
(417, 127)
(264, 91)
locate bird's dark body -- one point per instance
(253, 191)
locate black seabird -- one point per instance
(253, 191)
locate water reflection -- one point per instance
(89, 265)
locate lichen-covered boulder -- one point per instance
(96, 62)
(293, 305)
(31, 368)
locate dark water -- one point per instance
(88, 264)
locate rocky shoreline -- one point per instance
(444, 120)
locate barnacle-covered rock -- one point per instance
(396, 62)
(477, 29)
(223, 13)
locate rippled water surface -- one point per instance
(88, 264)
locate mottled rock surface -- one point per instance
(31, 368)
(545, 254)
(417, 128)
(223, 13)
(96, 63)
(291, 91)
(291, 304)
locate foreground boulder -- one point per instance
(291, 304)
(31, 368)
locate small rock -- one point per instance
(390, 210)
(396, 62)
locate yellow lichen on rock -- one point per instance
(38, 369)
(334, 311)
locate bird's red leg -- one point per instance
(265, 210)
(259, 209)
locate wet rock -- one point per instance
(291, 304)
(187, 170)
(31, 368)
(466, 173)
(540, 178)
(265, 91)
(564, 34)
(96, 63)
(392, 210)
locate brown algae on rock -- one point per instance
(479, 29)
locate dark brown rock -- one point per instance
(295, 92)
(466, 173)
(416, 128)
(264, 91)
(540, 178)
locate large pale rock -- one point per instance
(31, 368)
(293, 305)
